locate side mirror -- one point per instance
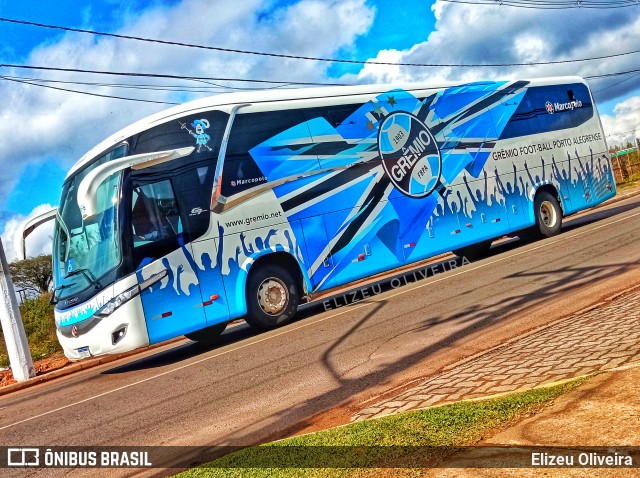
(31, 226)
(87, 197)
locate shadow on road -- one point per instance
(551, 282)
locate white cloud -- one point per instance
(480, 34)
(624, 125)
(384, 73)
(39, 242)
(36, 122)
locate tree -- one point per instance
(34, 275)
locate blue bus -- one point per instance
(247, 204)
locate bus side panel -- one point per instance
(320, 263)
(240, 246)
(173, 306)
(481, 215)
(497, 144)
(214, 297)
(555, 137)
(372, 249)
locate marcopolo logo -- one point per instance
(549, 107)
(409, 153)
(557, 106)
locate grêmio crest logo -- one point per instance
(410, 155)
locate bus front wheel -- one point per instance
(272, 297)
(548, 214)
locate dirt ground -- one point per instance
(604, 411)
(44, 365)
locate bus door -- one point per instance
(193, 186)
(173, 306)
(209, 271)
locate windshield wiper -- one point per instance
(54, 300)
(87, 275)
(66, 231)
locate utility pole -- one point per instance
(12, 326)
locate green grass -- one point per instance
(390, 440)
(39, 325)
(632, 183)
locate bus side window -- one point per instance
(193, 189)
(155, 219)
(241, 172)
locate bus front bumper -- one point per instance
(122, 331)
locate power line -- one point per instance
(310, 58)
(608, 75)
(617, 83)
(135, 86)
(86, 92)
(38, 82)
(552, 5)
(200, 78)
(623, 132)
(160, 75)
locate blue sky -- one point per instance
(45, 131)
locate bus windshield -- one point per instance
(85, 250)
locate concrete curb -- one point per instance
(79, 366)
(618, 198)
(464, 400)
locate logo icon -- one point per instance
(74, 331)
(549, 107)
(23, 457)
(72, 301)
(410, 154)
(201, 137)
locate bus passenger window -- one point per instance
(154, 216)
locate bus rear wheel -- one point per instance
(272, 297)
(209, 335)
(548, 214)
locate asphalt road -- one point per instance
(320, 369)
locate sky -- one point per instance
(44, 131)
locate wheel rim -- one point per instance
(548, 214)
(272, 296)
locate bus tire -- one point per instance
(548, 214)
(209, 335)
(272, 297)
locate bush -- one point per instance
(39, 325)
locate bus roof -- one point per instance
(274, 95)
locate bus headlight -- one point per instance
(115, 303)
(124, 297)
